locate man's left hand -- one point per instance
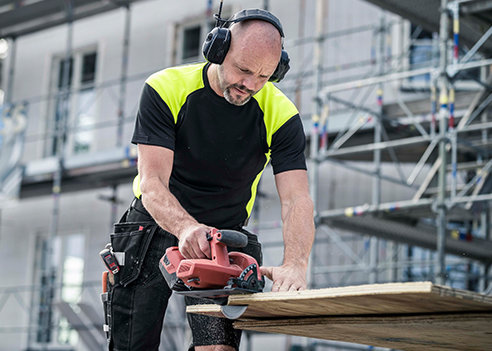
(286, 278)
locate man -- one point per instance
(205, 133)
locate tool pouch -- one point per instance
(130, 242)
(105, 301)
(107, 315)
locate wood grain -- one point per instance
(471, 332)
(392, 298)
(208, 310)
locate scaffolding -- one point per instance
(445, 209)
(52, 175)
(444, 215)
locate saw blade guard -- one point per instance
(244, 261)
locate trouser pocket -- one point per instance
(130, 242)
(137, 301)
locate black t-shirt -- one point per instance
(220, 150)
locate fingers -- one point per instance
(186, 249)
(267, 272)
(194, 243)
(203, 244)
(285, 278)
(292, 288)
(286, 286)
(197, 250)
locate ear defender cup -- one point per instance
(216, 45)
(282, 68)
(218, 41)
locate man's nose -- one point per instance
(250, 83)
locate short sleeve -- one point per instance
(155, 123)
(288, 145)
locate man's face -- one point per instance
(235, 93)
(233, 86)
(245, 71)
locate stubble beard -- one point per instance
(227, 90)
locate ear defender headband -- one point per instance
(218, 41)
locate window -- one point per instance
(3, 55)
(85, 113)
(45, 278)
(191, 42)
(4, 49)
(74, 113)
(190, 37)
(71, 257)
(88, 68)
(62, 80)
(65, 268)
(422, 52)
(2, 95)
(63, 83)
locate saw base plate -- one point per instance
(218, 296)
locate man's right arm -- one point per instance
(154, 167)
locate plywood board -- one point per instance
(404, 316)
(471, 332)
(392, 298)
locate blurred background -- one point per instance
(395, 98)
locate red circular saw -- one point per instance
(224, 274)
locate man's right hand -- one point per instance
(193, 242)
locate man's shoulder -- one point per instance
(175, 73)
(272, 97)
(177, 82)
(276, 106)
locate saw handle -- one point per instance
(232, 238)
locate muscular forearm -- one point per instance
(164, 207)
(298, 231)
(155, 167)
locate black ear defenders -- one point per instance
(218, 41)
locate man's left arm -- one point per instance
(298, 231)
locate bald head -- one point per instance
(256, 37)
(253, 56)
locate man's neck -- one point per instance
(213, 79)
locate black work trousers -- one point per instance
(138, 300)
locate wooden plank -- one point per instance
(392, 298)
(404, 316)
(471, 332)
(208, 310)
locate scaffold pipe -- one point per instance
(367, 209)
(395, 76)
(324, 128)
(433, 107)
(454, 7)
